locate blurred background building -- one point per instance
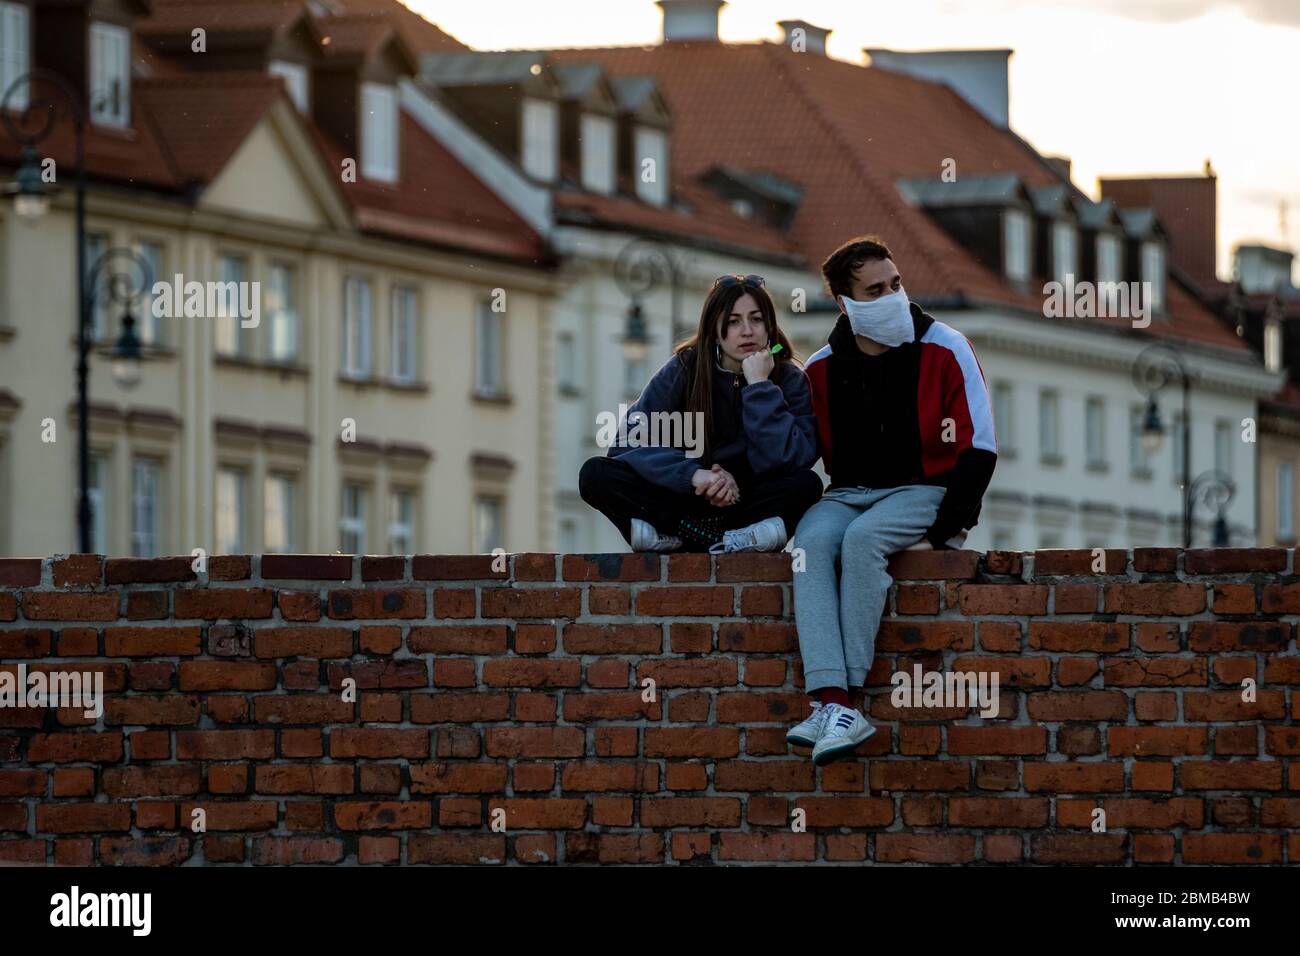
(527, 234)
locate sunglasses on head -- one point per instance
(749, 281)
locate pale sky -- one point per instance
(1122, 87)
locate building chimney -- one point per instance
(801, 36)
(1262, 268)
(691, 20)
(978, 76)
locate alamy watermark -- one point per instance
(953, 689)
(202, 300)
(640, 429)
(54, 689)
(1099, 300)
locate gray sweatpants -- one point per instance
(839, 596)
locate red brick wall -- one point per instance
(521, 691)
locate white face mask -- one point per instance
(887, 320)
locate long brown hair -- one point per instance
(699, 352)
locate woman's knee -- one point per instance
(589, 478)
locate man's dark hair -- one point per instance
(838, 268)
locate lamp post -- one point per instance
(643, 265)
(1156, 367)
(31, 202)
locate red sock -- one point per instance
(833, 695)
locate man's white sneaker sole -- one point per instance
(832, 748)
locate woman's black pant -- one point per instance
(614, 488)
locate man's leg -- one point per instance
(894, 518)
(817, 588)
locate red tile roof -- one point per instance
(251, 18)
(418, 33)
(1188, 207)
(846, 134)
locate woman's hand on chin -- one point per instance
(758, 365)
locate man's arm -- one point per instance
(966, 401)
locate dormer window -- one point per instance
(13, 50)
(1153, 271)
(1016, 244)
(539, 151)
(1109, 251)
(598, 153)
(1273, 345)
(296, 81)
(651, 169)
(1065, 251)
(110, 74)
(379, 132)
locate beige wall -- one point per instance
(309, 230)
(1278, 441)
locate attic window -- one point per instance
(598, 154)
(295, 81)
(1108, 258)
(651, 165)
(1153, 271)
(379, 132)
(110, 74)
(1016, 245)
(13, 51)
(1065, 251)
(1272, 345)
(540, 125)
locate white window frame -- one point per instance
(1223, 445)
(598, 135)
(231, 510)
(404, 334)
(146, 506)
(401, 526)
(97, 492)
(230, 340)
(489, 351)
(109, 74)
(1273, 345)
(1110, 258)
(489, 522)
(539, 125)
(650, 143)
(97, 244)
(149, 327)
(282, 307)
(1004, 415)
(358, 301)
(15, 50)
(297, 81)
(1094, 413)
(279, 498)
(1049, 423)
(1017, 243)
(1138, 459)
(1065, 251)
(1153, 271)
(352, 517)
(1285, 492)
(379, 132)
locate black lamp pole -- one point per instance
(30, 187)
(1155, 367)
(644, 264)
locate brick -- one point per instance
(148, 570)
(146, 605)
(299, 605)
(78, 570)
(213, 604)
(69, 606)
(152, 641)
(230, 567)
(222, 675)
(1165, 598)
(371, 743)
(455, 567)
(225, 744)
(1019, 599)
(531, 602)
(315, 642)
(485, 639)
(20, 572)
(290, 851)
(83, 747)
(685, 602)
(610, 567)
(407, 815)
(1076, 636)
(382, 567)
(83, 818)
(307, 567)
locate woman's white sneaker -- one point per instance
(766, 535)
(843, 730)
(646, 538)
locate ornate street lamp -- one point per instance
(1155, 368)
(642, 266)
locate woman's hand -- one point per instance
(922, 545)
(724, 491)
(703, 479)
(758, 365)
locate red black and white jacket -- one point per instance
(918, 413)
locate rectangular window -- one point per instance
(1002, 415)
(404, 317)
(282, 306)
(295, 80)
(149, 326)
(1016, 242)
(14, 46)
(1138, 462)
(230, 338)
(488, 350)
(1049, 424)
(540, 124)
(1223, 442)
(146, 508)
(1064, 251)
(110, 74)
(1108, 258)
(1153, 271)
(356, 327)
(97, 491)
(401, 522)
(352, 524)
(231, 529)
(379, 132)
(598, 154)
(96, 246)
(1285, 500)
(1095, 430)
(487, 523)
(566, 360)
(278, 524)
(1273, 345)
(650, 169)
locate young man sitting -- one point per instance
(905, 432)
